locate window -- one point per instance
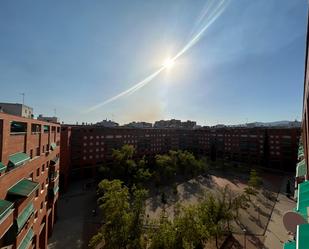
(37, 193)
(18, 127)
(42, 186)
(37, 151)
(58, 129)
(30, 177)
(38, 172)
(35, 128)
(43, 167)
(43, 149)
(42, 205)
(46, 128)
(53, 129)
(31, 153)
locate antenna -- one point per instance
(55, 112)
(23, 94)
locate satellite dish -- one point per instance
(291, 220)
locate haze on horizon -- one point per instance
(247, 66)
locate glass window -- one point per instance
(46, 128)
(18, 127)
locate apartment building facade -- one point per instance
(296, 221)
(17, 109)
(29, 179)
(85, 148)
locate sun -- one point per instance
(168, 63)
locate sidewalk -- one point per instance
(276, 234)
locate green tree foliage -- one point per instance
(194, 225)
(124, 167)
(177, 162)
(123, 216)
(215, 213)
(163, 235)
(166, 168)
(255, 181)
(142, 174)
(254, 184)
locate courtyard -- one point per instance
(261, 221)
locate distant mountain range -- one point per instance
(284, 123)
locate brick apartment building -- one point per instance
(29, 166)
(296, 221)
(84, 148)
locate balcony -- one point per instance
(53, 146)
(6, 216)
(54, 161)
(27, 240)
(52, 191)
(2, 168)
(24, 216)
(18, 159)
(54, 180)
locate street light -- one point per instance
(244, 230)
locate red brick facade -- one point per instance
(41, 142)
(84, 148)
(305, 121)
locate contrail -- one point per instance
(209, 17)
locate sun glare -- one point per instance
(168, 63)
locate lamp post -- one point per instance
(245, 239)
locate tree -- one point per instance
(255, 181)
(190, 231)
(254, 184)
(122, 216)
(163, 235)
(115, 209)
(214, 213)
(165, 167)
(142, 174)
(137, 218)
(123, 163)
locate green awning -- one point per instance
(303, 199)
(23, 188)
(53, 146)
(301, 168)
(300, 154)
(27, 240)
(2, 167)
(289, 245)
(18, 159)
(24, 216)
(302, 236)
(5, 207)
(54, 160)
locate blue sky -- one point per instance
(71, 55)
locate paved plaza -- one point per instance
(76, 223)
(262, 221)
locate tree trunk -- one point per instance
(217, 241)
